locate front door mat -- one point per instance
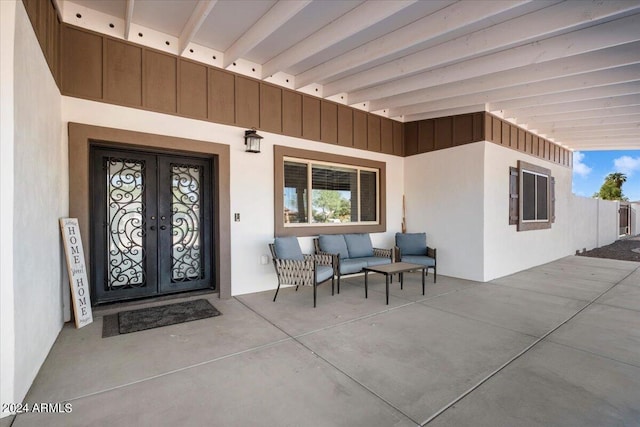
(129, 321)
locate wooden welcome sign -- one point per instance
(77, 271)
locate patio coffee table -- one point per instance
(389, 270)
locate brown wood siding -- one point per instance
(270, 108)
(440, 133)
(398, 138)
(411, 138)
(497, 130)
(123, 73)
(478, 127)
(222, 96)
(192, 95)
(87, 70)
(513, 137)
(360, 129)
(386, 135)
(463, 129)
(247, 102)
(310, 118)
(291, 113)
(31, 6)
(81, 64)
(373, 132)
(426, 136)
(160, 82)
(328, 122)
(443, 132)
(41, 23)
(345, 126)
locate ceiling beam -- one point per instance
(602, 36)
(616, 101)
(275, 17)
(354, 21)
(587, 114)
(606, 146)
(579, 123)
(607, 138)
(197, 18)
(618, 56)
(618, 89)
(553, 88)
(443, 21)
(128, 16)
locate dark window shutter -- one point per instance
(552, 196)
(513, 196)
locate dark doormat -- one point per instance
(154, 317)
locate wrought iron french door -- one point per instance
(151, 224)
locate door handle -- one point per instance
(163, 227)
(153, 227)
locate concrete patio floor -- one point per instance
(556, 345)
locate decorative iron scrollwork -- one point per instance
(186, 210)
(125, 226)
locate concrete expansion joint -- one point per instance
(523, 352)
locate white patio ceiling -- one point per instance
(567, 70)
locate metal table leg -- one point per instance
(386, 277)
(366, 284)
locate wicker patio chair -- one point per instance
(295, 268)
(412, 248)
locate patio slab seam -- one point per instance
(617, 306)
(538, 292)
(603, 356)
(368, 389)
(182, 369)
(483, 321)
(519, 355)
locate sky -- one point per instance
(590, 168)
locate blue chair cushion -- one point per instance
(334, 244)
(288, 248)
(350, 266)
(323, 272)
(419, 259)
(412, 243)
(375, 260)
(359, 245)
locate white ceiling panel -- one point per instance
(167, 16)
(229, 20)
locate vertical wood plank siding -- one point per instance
(94, 66)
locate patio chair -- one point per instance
(412, 248)
(295, 268)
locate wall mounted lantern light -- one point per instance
(252, 141)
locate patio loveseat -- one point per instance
(351, 252)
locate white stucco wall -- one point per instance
(594, 222)
(635, 219)
(7, 333)
(608, 222)
(40, 199)
(584, 220)
(444, 193)
(251, 181)
(507, 250)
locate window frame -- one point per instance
(535, 224)
(282, 154)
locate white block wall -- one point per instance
(40, 198)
